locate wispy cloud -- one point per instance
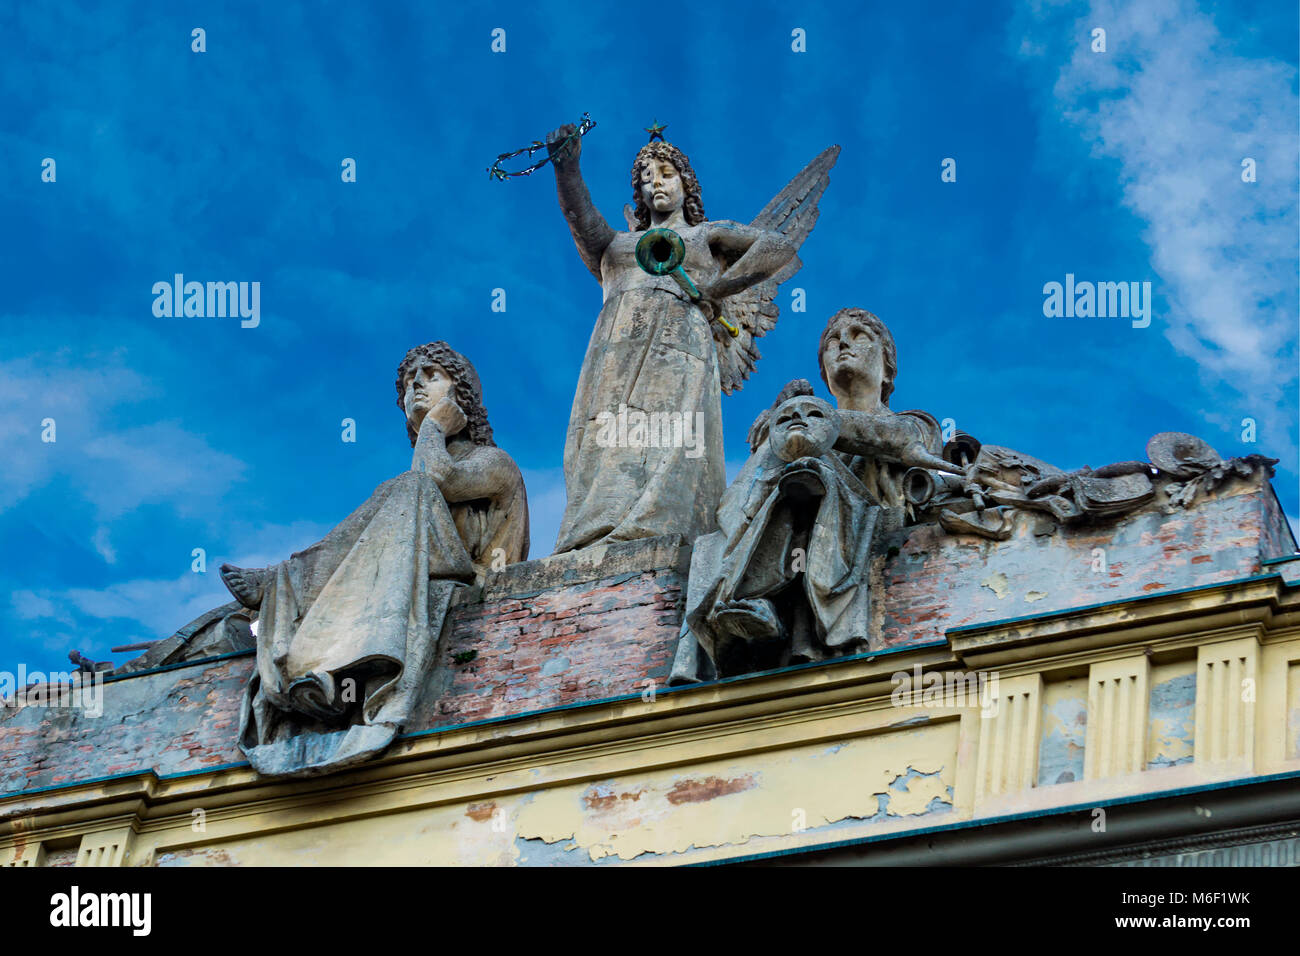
(115, 469)
(39, 389)
(90, 619)
(1179, 108)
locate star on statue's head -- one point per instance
(656, 131)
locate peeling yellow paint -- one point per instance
(1168, 742)
(1033, 596)
(772, 794)
(917, 796)
(998, 584)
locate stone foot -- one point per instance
(248, 585)
(748, 620)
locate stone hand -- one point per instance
(561, 153)
(977, 479)
(447, 416)
(709, 302)
(709, 307)
(914, 455)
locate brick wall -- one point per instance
(600, 623)
(937, 581)
(543, 634)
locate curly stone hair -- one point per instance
(887, 340)
(467, 391)
(692, 204)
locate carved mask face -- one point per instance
(425, 386)
(853, 351)
(661, 186)
(803, 427)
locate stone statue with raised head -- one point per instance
(786, 579)
(665, 345)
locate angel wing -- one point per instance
(793, 213)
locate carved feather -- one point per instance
(792, 212)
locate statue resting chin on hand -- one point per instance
(348, 628)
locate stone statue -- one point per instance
(660, 356)
(786, 579)
(348, 628)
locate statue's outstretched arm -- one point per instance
(591, 233)
(761, 254)
(896, 438)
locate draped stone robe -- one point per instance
(764, 515)
(813, 504)
(652, 351)
(348, 628)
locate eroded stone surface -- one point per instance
(592, 640)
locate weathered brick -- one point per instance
(605, 637)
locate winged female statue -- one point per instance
(660, 355)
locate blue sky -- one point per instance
(183, 433)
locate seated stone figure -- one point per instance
(785, 580)
(348, 628)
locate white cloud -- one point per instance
(1179, 109)
(103, 545)
(160, 462)
(116, 469)
(157, 607)
(35, 389)
(28, 605)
